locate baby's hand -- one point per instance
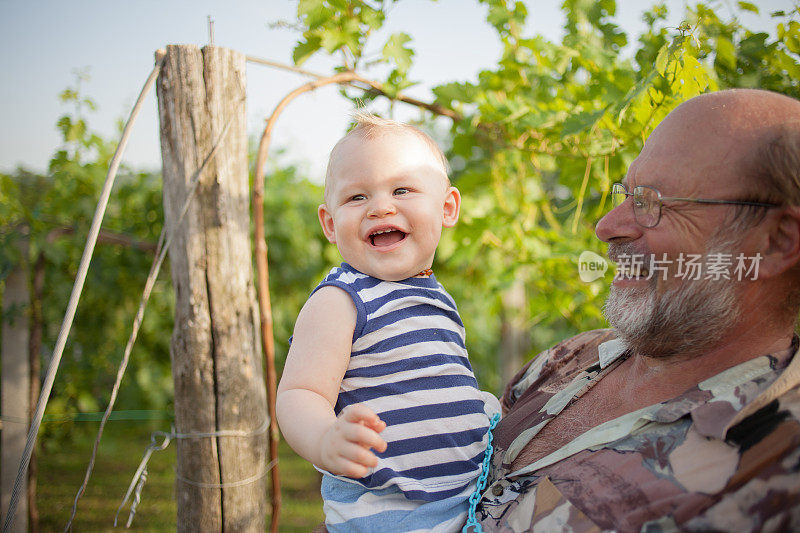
(345, 447)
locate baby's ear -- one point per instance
(326, 221)
(452, 207)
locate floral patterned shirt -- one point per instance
(723, 455)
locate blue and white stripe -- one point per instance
(409, 364)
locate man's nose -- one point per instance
(381, 206)
(619, 224)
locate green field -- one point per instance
(62, 468)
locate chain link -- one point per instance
(472, 521)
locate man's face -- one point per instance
(683, 318)
(663, 316)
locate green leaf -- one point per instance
(352, 34)
(498, 17)
(372, 18)
(754, 44)
(747, 6)
(453, 91)
(662, 59)
(68, 95)
(726, 53)
(333, 39)
(305, 7)
(305, 49)
(64, 125)
(396, 51)
(791, 37)
(581, 121)
(396, 82)
(313, 13)
(601, 145)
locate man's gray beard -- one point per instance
(687, 318)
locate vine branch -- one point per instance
(359, 82)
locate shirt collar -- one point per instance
(610, 351)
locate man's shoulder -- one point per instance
(571, 355)
(582, 348)
(581, 345)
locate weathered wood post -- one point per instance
(514, 336)
(15, 402)
(216, 359)
(34, 351)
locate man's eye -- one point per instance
(401, 190)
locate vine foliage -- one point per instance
(539, 138)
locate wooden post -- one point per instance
(216, 357)
(15, 400)
(514, 336)
(34, 351)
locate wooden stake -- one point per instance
(265, 306)
(16, 381)
(216, 360)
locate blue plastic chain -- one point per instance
(476, 496)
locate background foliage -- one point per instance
(54, 211)
(543, 135)
(540, 138)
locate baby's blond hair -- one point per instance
(369, 126)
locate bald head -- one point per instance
(751, 137)
(745, 109)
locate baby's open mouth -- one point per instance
(386, 237)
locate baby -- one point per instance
(377, 360)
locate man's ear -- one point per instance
(326, 221)
(452, 207)
(782, 246)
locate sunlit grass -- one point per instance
(62, 468)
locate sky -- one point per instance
(46, 42)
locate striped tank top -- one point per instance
(409, 364)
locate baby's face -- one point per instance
(387, 201)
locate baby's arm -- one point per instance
(309, 386)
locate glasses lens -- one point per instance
(646, 206)
(618, 194)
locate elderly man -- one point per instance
(685, 414)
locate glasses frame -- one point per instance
(661, 199)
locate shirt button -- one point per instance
(497, 490)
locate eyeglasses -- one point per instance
(647, 202)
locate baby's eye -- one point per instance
(357, 197)
(401, 190)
